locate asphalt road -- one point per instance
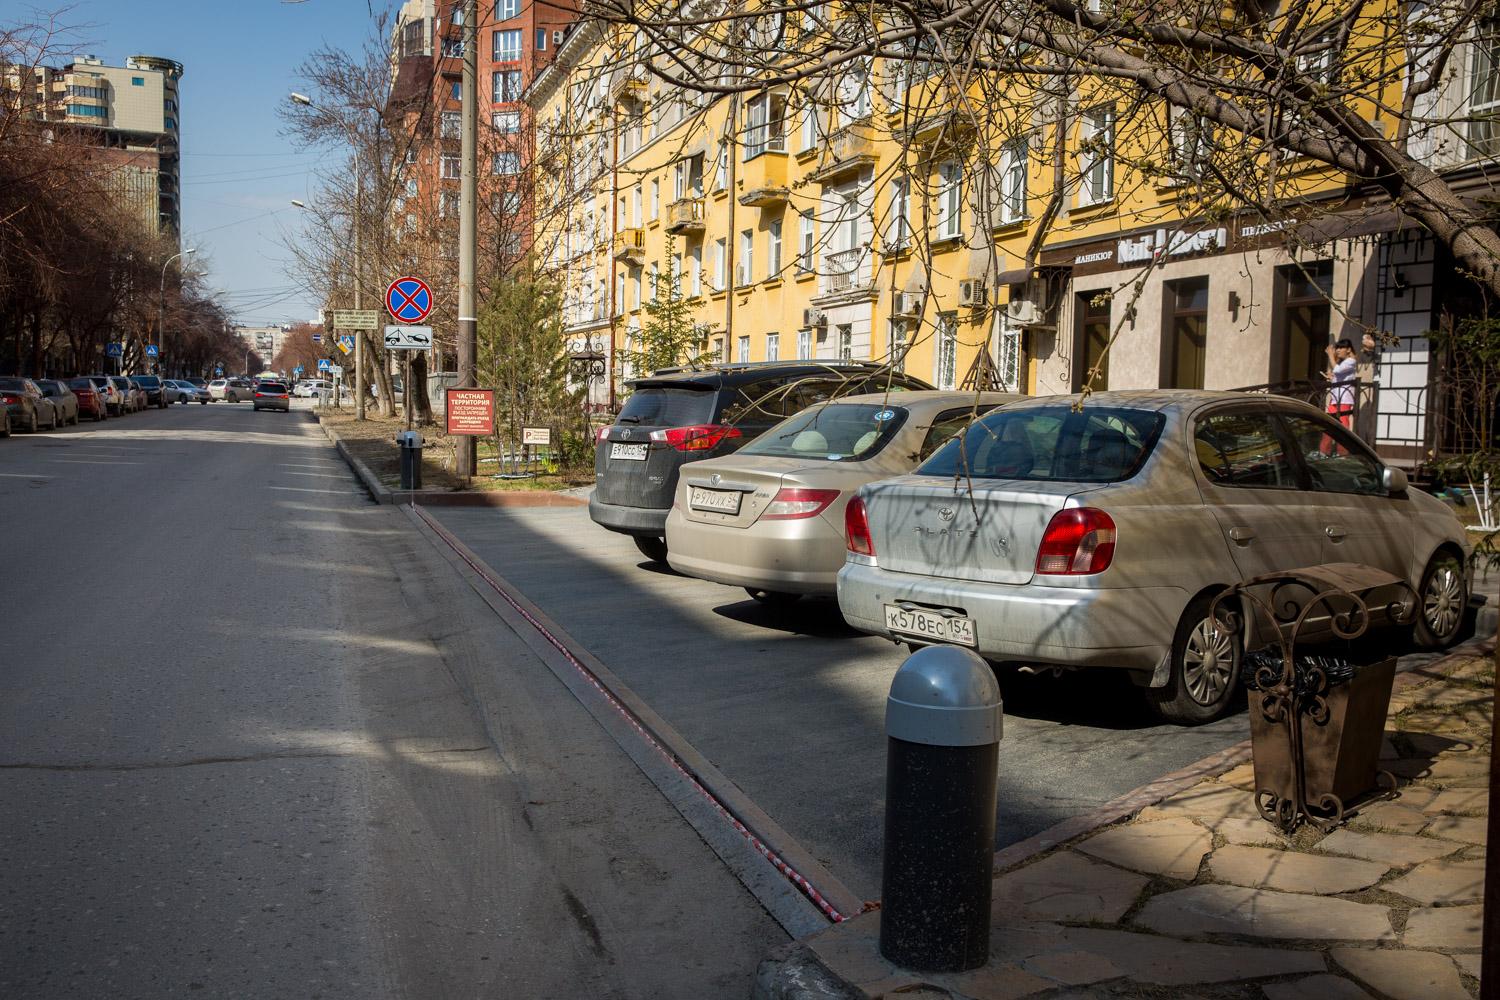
(258, 740)
(790, 704)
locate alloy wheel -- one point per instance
(1208, 662)
(1442, 599)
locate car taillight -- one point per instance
(698, 437)
(281, 396)
(1076, 543)
(791, 503)
(602, 435)
(11, 399)
(857, 529)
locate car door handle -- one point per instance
(1242, 535)
(1336, 533)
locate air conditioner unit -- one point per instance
(814, 318)
(907, 305)
(972, 293)
(1023, 312)
(558, 37)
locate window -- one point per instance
(721, 167)
(898, 228)
(945, 426)
(805, 243)
(506, 122)
(456, 15)
(804, 345)
(506, 86)
(840, 432)
(635, 287)
(510, 203)
(896, 344)
(507, 45)
(1013, 161)
(764, 116)
(1243, 449)
(1191, 142)
(170, 123)
(450, 167)
(950, 201)
(695, 270)
(506, 9)
(411, 188)
(137, 81)
(945, 375)
(456, 90)
(655, 200)
(1091, 336)
(1186, 333)
(448, 205)
(1096, 156)
(507, 163)
(1303, 320)
(773, 347)
(812, 127)
(854, 91)
(541, 39)
(721, 263)
(744, 272)
(773, 258)
(453, 48)
(679, 179)
(450, 125)
(1335, 461)
(93, 111)
(1098, 444)
(1484, 89)
(742, 350)
(846, 342)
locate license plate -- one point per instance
(718, 501)
(929, 625)
(630, 452)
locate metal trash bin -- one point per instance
(410, 443)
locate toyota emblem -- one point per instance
(714, 480)
(946, 513)
(625, 434)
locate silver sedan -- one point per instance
(770, 517)
(1097, 532)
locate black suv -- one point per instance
(152, 385)
(682, 415)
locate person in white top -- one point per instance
(1341, 374)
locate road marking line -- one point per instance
(299, 489)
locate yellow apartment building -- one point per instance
(880, 216)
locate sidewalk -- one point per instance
(1197, 896)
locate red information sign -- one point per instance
(471, 411)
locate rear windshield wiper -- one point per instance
(629, 420)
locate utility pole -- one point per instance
(468, 229)
(359, 296)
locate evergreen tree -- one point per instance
(670, 337)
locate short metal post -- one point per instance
(943, 723)
(411, 459)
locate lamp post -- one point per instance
(359, 302)
(161, 310)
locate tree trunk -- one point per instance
(379, 377)
(417, 391)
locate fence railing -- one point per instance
(1354, 403)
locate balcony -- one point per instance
(850, 150)
(685, 217)
(844, 271)
(630, 246)
(627, 88)
(762, 180)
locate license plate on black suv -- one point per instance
(628, 452)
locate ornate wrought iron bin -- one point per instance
(1316, 720)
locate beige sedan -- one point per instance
(770, 517)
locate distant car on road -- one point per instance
(63, 399)
(130, 394)
(1097, 531)
(152, 386)
(27, 407)
(310, 387)
(770, 517)
(231, 390)
(187, 392)
(114, 400)
(272, 396)
(91, 398)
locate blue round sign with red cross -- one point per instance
(408, 300)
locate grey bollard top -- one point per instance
(944, 696)
(409, 439)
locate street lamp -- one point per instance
(161, 309)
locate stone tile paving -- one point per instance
(1199, 896)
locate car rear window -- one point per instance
(838, 432)
(1097, 444)
(80, 383)
(13, 384)
(272, 387)
(147, 381)
(660, 406)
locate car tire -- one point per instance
(773, 598)
(1201, 684)
(653, 547)
(1443, 599)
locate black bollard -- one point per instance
(411, 459)
(942, 722)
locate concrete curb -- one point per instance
(381, 493)
(795, 972)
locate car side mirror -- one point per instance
(1394, 480)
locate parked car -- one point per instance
(91, 398)
(770, 517)
(130, 395)
(62, 399)
(151, 385)
(142, 401)
(27, 406)
(239, 390)
(272, 396)
(676, 416)
(187, 392)
(114, 399)
(310, 387)
(1099, 536)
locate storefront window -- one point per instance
(1186, 333)
(1302, 327)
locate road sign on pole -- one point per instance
(357, 319)
(409, 300)
(408, 338)
(114, 350)
(317, 338)
(152, 351)
(323, 365)
(346, 342)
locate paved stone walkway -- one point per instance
(1198, 896)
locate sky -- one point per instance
(239, 173)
